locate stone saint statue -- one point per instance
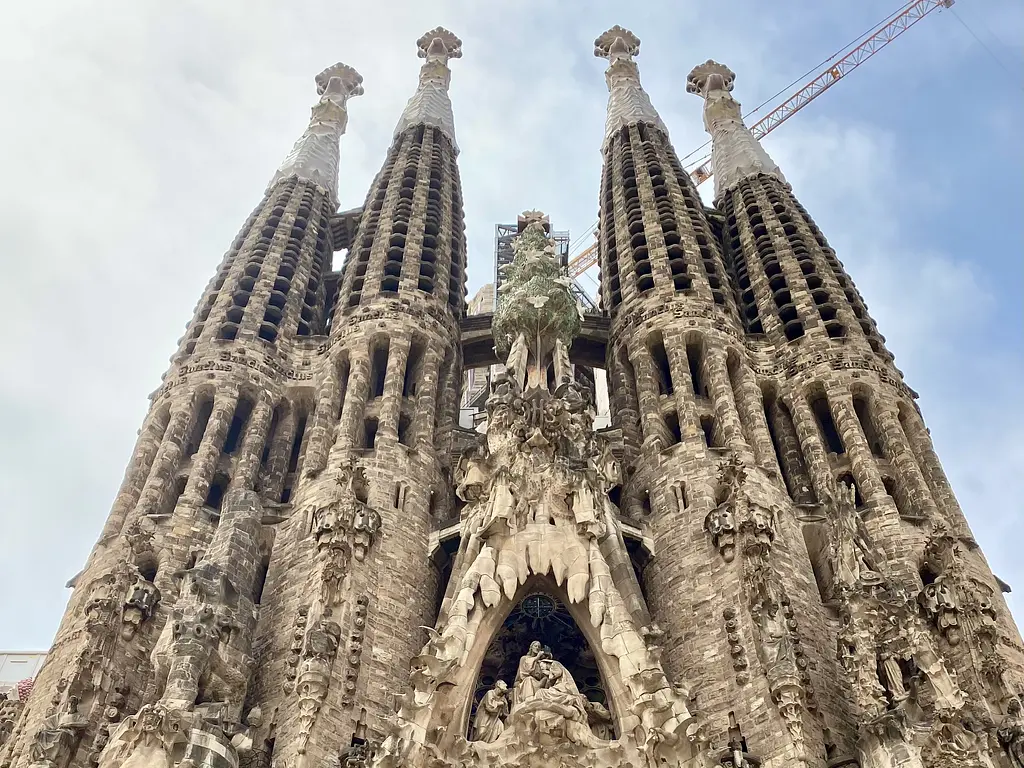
(1011, 733)
(531, 674)
(547, 702)
(491, 713)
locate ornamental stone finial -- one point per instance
(628, 102)
(315, 155)
(710, 76)
(617, 43)
(339, 82)
(439, 44)
(430, 104)
(735, 154)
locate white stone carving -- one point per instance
(628, 102)
(314, 157)
(736, 154)
(430, 104)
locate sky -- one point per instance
(137, 137)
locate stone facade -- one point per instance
(309, 564)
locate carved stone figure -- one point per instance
(139, 604)
(721, 526)
(853, 557)
(149, 739)
(364, 528)
(55, 741)
(1011, 733)
(939, 601)
(776, 642)
(600, 720)
(491, 713)
(546, 703)
(314, 674)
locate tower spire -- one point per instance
(314, 157)
(628, 102)
(735, 153)
(430, 104)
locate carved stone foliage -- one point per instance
(738, 515)
(343, 528)
(538, 510)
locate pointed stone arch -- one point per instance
(455, 707)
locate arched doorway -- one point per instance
(542, 617)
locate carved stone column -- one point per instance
(862, 460)
(686, 402)
(251, 453)
(204, 463)
(144, 457)
(749, 403)
(160, 481)
(813, 450)
(795, 471)
(720, 391)
(647, 397)
(355, 403)
(272, 482)
(320, 429)
(394, 377)
(904, 460)
(426, 400)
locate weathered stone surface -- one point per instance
(309, 564)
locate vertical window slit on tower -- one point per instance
(662, 369)
(215, 495)
(707, 425)
(899, 498)
(202, 418)
(174, 497)
(275, 423)
(867, 424)
(404, 428)
(296, 451)
(344, 368)
(826, 424)
(695, 360)
(370, 432)
(672, 424)
(238, 421)
(413, 364)
(379, 367)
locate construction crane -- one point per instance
(891, 28)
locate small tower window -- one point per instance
(826, 425)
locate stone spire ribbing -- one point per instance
(430, 104)
(628, 102)
(314, 157)
(736, 154)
